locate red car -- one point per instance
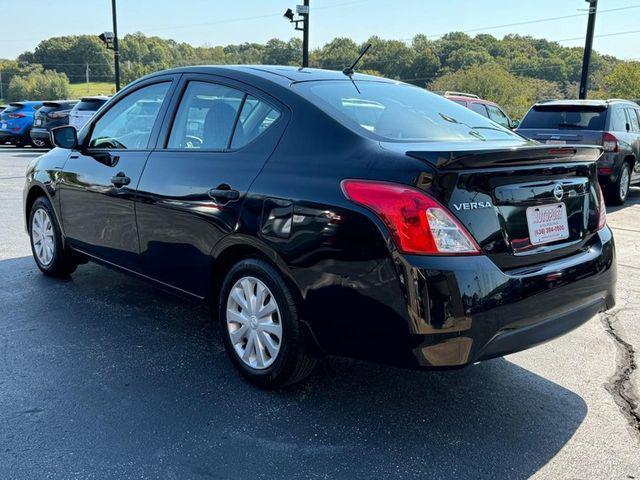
(485, 108)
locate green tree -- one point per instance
(48, 85)
(279, 52)
(624, 81)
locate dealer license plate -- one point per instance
(547, 223)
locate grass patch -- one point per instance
(78, 90)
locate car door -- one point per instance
(98, 184)
(216, 138)
(634, 126)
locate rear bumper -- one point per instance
(40, 134)
(466, 309)
(447, 312)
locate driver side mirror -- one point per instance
(64, 137)
(515, 124)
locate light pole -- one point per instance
(586, 59)
(111, 41)
(303, 12)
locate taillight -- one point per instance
(16, 115)
(602, 210)
(59, 114)
(610, 142)
(416, 221)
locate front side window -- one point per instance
(128, 123)
(479, 108)
(498, 116)
(205, 117)
(400, 112)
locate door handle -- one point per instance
(224, 193)
(120, 180)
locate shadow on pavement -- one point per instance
(632, 199)
(104, 375)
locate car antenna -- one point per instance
(349, 71)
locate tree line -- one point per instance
(514, 71)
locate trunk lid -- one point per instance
(524, 205)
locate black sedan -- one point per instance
(329, 214)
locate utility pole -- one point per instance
(1, 89)
(116, 51)
(586, 59)
(305, 35)
(86, 72)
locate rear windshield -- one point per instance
(90, 105)
(565, 116)
(13, 107)
(400, 112)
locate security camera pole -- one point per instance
(303, 11)
(116, 51)
(586, 59)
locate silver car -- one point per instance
(84, 110)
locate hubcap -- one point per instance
(624, 183)
(42, 236)
(254, 323)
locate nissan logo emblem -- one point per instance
(558, 192)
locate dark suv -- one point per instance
(614, 124)
(322, 213)
(50, 115)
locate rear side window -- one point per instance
(205, 117)
(400, 112)
(498, 116)
(618, 120)
(256, 116)
(632, 113)
(554, 117)
(128, 123)
(479, 108)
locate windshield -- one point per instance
(401, 112)
(553, 117)
(90, 105)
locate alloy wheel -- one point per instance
(42, 236)
(254, 323)
(624, 182)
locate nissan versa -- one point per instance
(324, 213)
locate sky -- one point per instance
(217, 22)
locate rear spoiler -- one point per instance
(510, 156)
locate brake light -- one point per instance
(16, 115)
(610, 142)
(417, 222)
(59, 114)
(602, 210)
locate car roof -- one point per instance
(94, 98)
(278, 73)
(586, 103)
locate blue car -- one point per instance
(16, 121)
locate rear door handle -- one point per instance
(120, 180)
(224, 194)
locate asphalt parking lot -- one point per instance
(103, 376)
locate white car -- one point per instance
(84, 110)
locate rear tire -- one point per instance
(276, 354)
(618, 191)
(46, 241)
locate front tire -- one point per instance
(260, 326)
(46, 241)
(618, 191)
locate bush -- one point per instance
(48, 85)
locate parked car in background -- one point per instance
(485, 108)
(322, 213)
(50, 115)
(84, 110)
(2, 107)
(613, 124)
(16, 122)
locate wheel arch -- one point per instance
(35, 191)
